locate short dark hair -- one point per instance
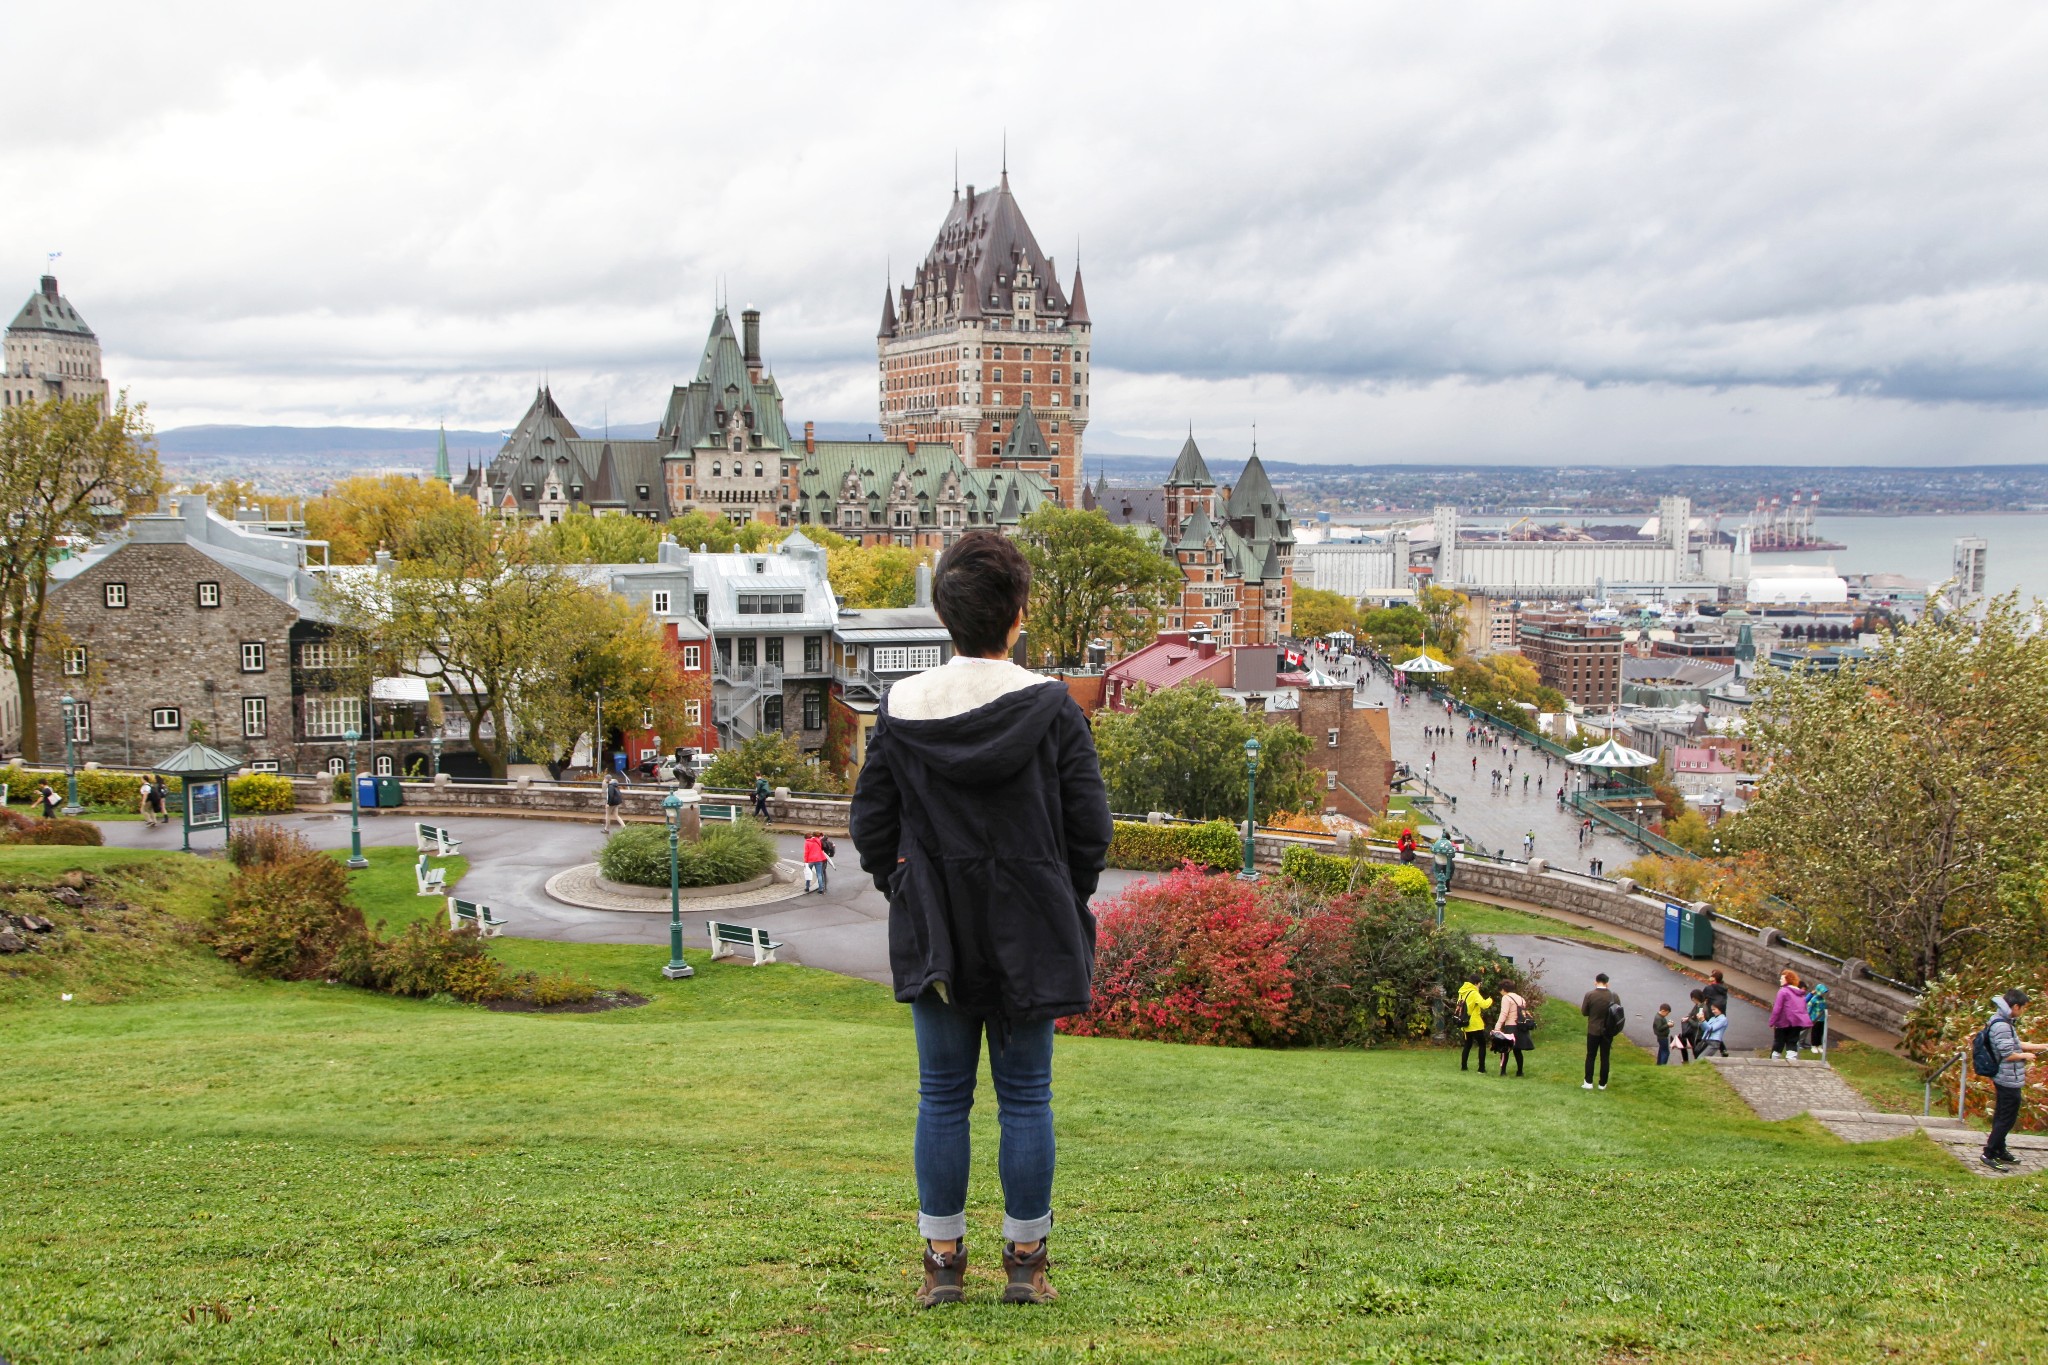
(981, 585)
(1716, 975)
(1601, 978)
(2016, 997)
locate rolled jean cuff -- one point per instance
(949, 1228)
(1026, 1229)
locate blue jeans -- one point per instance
(948, 1056)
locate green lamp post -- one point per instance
(1251, 807)
(356, 861)
(71, 806)
(672, 812)
(434, 748)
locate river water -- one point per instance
(2016, 554)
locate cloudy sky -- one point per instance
(1621, 233)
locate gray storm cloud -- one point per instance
(1597, 231)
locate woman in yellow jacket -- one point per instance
(1474, 1006)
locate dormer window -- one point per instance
(642, 490)
(739, 443)
(717, 468)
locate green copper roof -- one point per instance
(1190, 470)
(49, 311)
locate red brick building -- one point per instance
(983, 334)
(1578, 656)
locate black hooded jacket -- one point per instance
(987, 828)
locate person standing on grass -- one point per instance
(1692, 1028)
(1788, 1017)
(1661, 1026)
(1513, 1028)
(980, 812)
(47, 798)
(1714, 1033)
(1600, 1007)
(1473, 1005)
(2003, 1034)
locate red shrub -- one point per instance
(1190, 958)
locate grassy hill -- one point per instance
(221, 1170)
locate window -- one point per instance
(1332, 783)
(693, 657)
(336, 765)
(74, 661)
(998, 396)
(255, 717)
(693, 714)
(702, 604)
(717, 468)
(997, 376)
(209, 594)
(792, 603)
(660, 602)
(333, 717)
(771, 713)
(814, 654)
(1333, 736)
(748, 650)
(268, 765)
(325, 654)
(252, 656)
(771, 651)
(906, 659)
(383, 765)
(164, 718)
(117, 594)
(814, 710)
(1027, 376)
(641, 490)
(81, 723)
(757, 469)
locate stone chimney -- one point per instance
(924, 585)
(910, 444)
(810, 438)
(750, 342)
(50, 287)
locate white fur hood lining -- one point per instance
(960, 685)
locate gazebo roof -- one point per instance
(198, 760)
(1422, 663)
(1611, 754)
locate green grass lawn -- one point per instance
(234, 1170)
(1477, 918)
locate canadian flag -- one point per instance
(1292, 658)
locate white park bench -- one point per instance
(715, 811)
(436, 841)
(728, 939)
(462, 912)
(431, 881)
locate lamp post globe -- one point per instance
(356, 861)
(71, 806)
(434, 750)
(672, 812)
(1251, 807)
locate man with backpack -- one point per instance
(1602, 1008)
(1998, 1053)
(614, 800)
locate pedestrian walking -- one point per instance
(1473, 1004)
(1817, 1011)
(1788, 1017)
(1661, 1026)
(1529, 845)
(142, 804)
(2001, 1040)
(980, 812)
(1691, 1028)
(614, 802)
(158, 789)
(1604, 1019)
(1511, 1032)
(814, 862)
(47, 798)
(761, 794)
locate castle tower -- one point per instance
(984, 335)
(50, 352)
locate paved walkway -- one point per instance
(1569, 965)
(1494, 819)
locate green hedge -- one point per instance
(738, 852)
(260, 794)
(1161, 848)
(1330, 874)
(96, 786)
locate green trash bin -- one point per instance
(389, 793)
(1696, 933)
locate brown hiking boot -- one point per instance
(1027, 1276)
(944, 1276)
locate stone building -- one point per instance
(771, 615)
(50, 352)
(983, 332)
(190, 619)
(1234, 546)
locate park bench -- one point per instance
(431, 881)
(727, 812)
(462, 912)
(727, 939)
(434, 840)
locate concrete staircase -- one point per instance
(1783, 1090)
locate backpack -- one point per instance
(1983, 1060)
(612, 795)
(1615, 1017)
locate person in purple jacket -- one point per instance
(1788, 1017)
